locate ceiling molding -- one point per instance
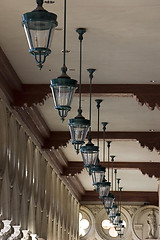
(126, 196)
(61, 157)
(55, 163)
(26, 117)
(144, 93)
(74, 185)
(149, 168)
(151, 140)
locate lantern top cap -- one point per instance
(89, 147)
(65, 81)
(40, 14)
(98, 168)
(105, 183)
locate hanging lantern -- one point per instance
(89, 154)
(104, 188)
(119, 225)
(108, 202)
(98, 173)
(39, 26)
(89, 151)
(117, 218)
(121, 231)
(113, 212)
(79, 126)
(63, 87)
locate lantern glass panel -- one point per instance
(39, 34)
(117, 219)
(97, 177)
(113, 212)
(62, 95)
(78, 132)
(89, 157)
(104, 190)
(108, 202)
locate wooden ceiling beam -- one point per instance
(151, 140)
(149, 168)
(144, 93)
(126, 197)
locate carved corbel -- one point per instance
(151, 143)
(152, 171)
(57, 139)
(151, 99)
(32, 94)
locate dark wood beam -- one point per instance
(127, 197)
(144, 93)
(151, 140)
(149, 168)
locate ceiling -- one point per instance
(123, 43)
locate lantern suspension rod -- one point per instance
(104, 124)
(112, 161)
(64, 68)
(108, 146)
(39, 3)
(118, 181)
(98, 101)
(91, 71)
(80, 31)
(115, 172)
(120, 189)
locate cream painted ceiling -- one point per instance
(122, 42)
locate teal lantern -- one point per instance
(89, 154)
(97, 172)
(108, 202)
(63, 89)
(79, 126)
(104, 188)
(90, 151)
(113, 212)
(39, 26)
